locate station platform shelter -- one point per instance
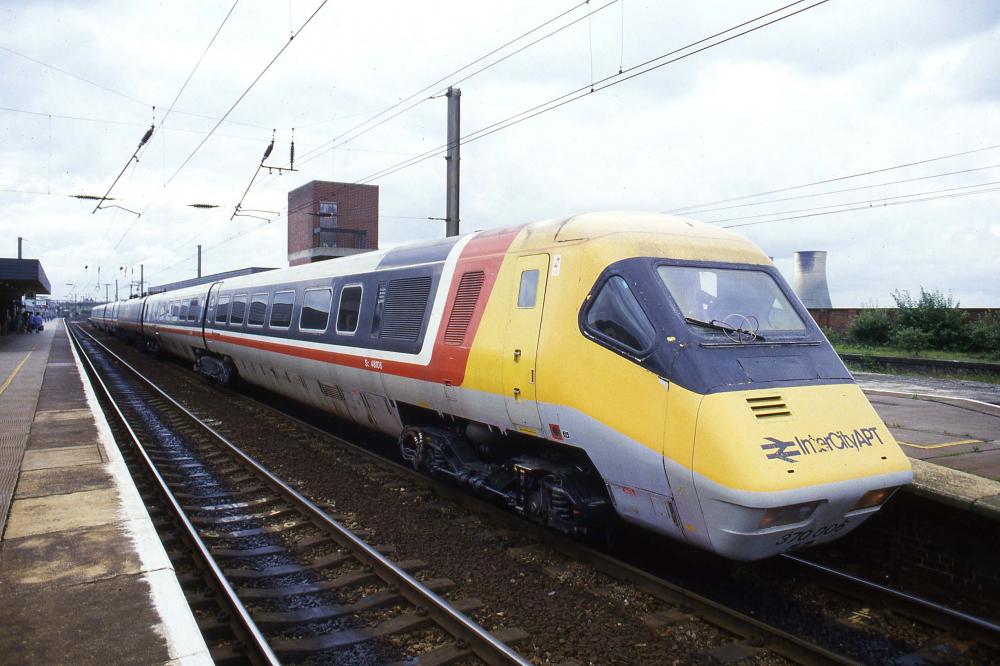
(19, 278)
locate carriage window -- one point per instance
(281, 309)
(183, 313)
(258, 310)
(529, 288)
(222, 310)
(616, 315)
(194, 310)
(349, 310)
(315, 313)
(175, 310)
(238, 310)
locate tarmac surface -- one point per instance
(954, 388)
(951, 423)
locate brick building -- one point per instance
(327, 220)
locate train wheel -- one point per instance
(412, 448)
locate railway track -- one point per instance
(752, 634)
(294, 584)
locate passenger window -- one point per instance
(258, 310)
(616, 315)
(175, 310)
(194, 309)
(529, 287)
(349, 310)
(315, 313)
(183, 312)
(238, 311)
(281, 309)
(222, 310)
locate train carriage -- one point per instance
(641, 365)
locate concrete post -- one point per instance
(454, 151)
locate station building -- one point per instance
(328, 219)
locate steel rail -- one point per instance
(788, 645)
(229, 594)
(937, 611)
(485, 646)
(958, 617)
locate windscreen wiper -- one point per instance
(717, 325)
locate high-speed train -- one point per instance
(635, 364)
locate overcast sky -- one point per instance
(847, 87)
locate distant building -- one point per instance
(327, 220)
(809, 279)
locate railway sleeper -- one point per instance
(448, 654)
(401, 624)
(332, 560)
(346, 580)
(560, 495)
(379, 599)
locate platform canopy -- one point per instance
(22, 277)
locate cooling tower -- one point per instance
(809, 280)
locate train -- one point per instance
(581, 371)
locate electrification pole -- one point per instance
(19, 242)
(116, 289)
(199, 261)
(454, 135)
(142, 278)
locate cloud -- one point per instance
(846, 87)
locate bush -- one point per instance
(871, 327)
(984, 336)
(833, 335)
(911, 339)
(933, 314)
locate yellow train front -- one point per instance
(701, 389)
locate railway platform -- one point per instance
(83, 576)
(951, 431)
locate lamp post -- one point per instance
(73, 310)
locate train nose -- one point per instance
(773, 479)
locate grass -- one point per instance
(937, 374)
(865, 350)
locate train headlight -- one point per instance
(787, 515)
(873, 498)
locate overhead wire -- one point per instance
(112, 90)
(853, 203)
(339, 141)
(246, 92)
(634, 71)
(627, 74)
(850, 189)
(307, 156)
(867, 207)
(835, 179)
(229, 111)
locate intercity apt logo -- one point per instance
(790, 450)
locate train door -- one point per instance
(209, 312)
(521, 341)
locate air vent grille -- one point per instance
(332, 391)
(768, 407)
(405, 304)
(463, 308)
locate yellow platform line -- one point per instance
(7, 382)
(943, 444)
